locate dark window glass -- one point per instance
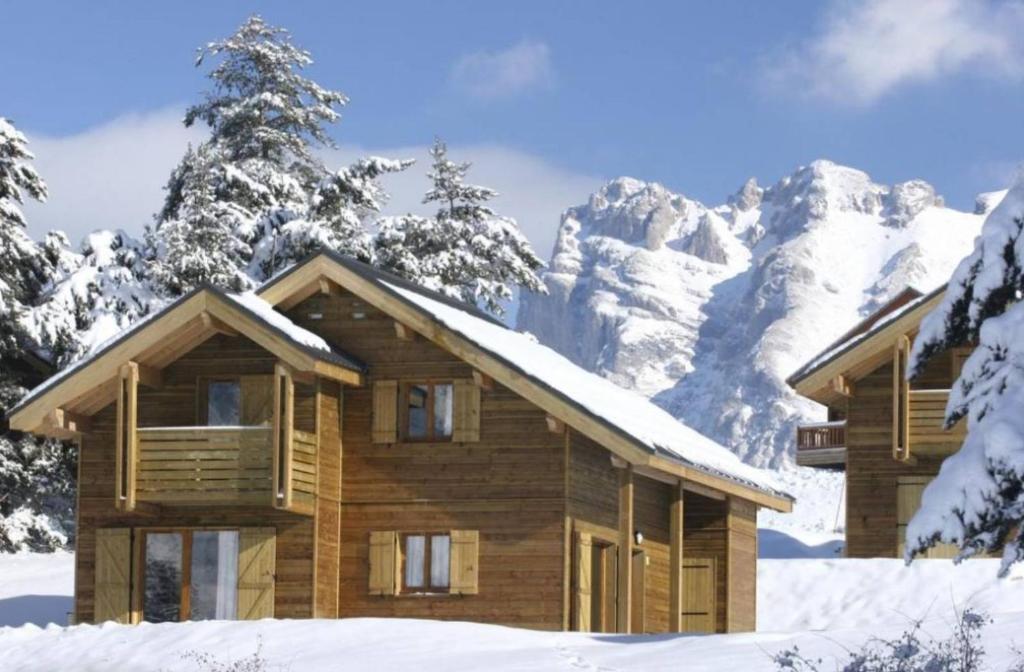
(442, 411)
(224, 403)
(419, 411)
(162, 593)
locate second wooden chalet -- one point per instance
(886, 432)
(343, 443)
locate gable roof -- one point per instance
(860, 350)
(165, 335)
(622, 421)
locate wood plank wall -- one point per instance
(509, 485)
(593, 489)
(328, 504)
(871, 471)
(173, 405)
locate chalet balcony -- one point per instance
(271, 464)
(821, 445)
(926, 418)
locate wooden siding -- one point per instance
(742, 566)
(871, 472)
(508, 486)
(176, 404)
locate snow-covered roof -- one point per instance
(856, 337)
(627, 411)
(248, 302)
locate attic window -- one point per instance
(223, 403)
(428, 411)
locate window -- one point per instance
(426, 559)
(190, 575)
(223, 403)
(428, 411)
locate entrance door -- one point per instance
(699, 591)
(638, 610)
(189, 575)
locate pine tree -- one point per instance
(34, 510)
(977, 500)
(198, 246)
(466, 250)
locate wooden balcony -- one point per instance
(272, 464)
(821, 445)
(204, 465)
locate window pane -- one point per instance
(442, 410)
(415, 545)
(440, 549)
(214, 575)
(223, 403)
(418, 411)
(161, 599)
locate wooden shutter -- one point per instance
(583, 560)
(466, 411)
(257, 551)
(113, 575)
(385, 411)
(699, 593)
(383, 563)
(257, 400)
(464, 562)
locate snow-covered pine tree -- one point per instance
(977, 500)
(34, 509)
(198, 245)
(466, 250)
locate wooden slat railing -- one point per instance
(304, 447)
(820, 436)
(204, 465)
(927, 416)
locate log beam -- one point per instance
(483, 381)
(555, 426)
(403, 332)
(675, 559)
(217, 325)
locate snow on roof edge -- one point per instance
(626, 411)
(835, 350)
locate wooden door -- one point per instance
(699, 595)
(908, 500)
(638, 610)
(603, 584)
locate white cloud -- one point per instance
(112, 176)
(868, 48)
(532, 190)
(490, 75)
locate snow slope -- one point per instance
(797, 600)
(708, 309)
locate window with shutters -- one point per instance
(189, 575)
(236, 401)
(427, 411)
(426, 562)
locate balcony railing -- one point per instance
(821, 445)
(204, 465)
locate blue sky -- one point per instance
(548, 98)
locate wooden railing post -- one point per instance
(284, 422)
(127, 441)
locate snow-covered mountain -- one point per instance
(707, 309)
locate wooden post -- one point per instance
(624, 602)
(284, 423)
(126, 442)
(675, 560)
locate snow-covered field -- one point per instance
(798, 599)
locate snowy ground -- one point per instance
(798, 599)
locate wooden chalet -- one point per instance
(342, 443)
(886, 432)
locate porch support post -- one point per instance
(625, 588)
(127, 440)
(675, 559)
(283, 424)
